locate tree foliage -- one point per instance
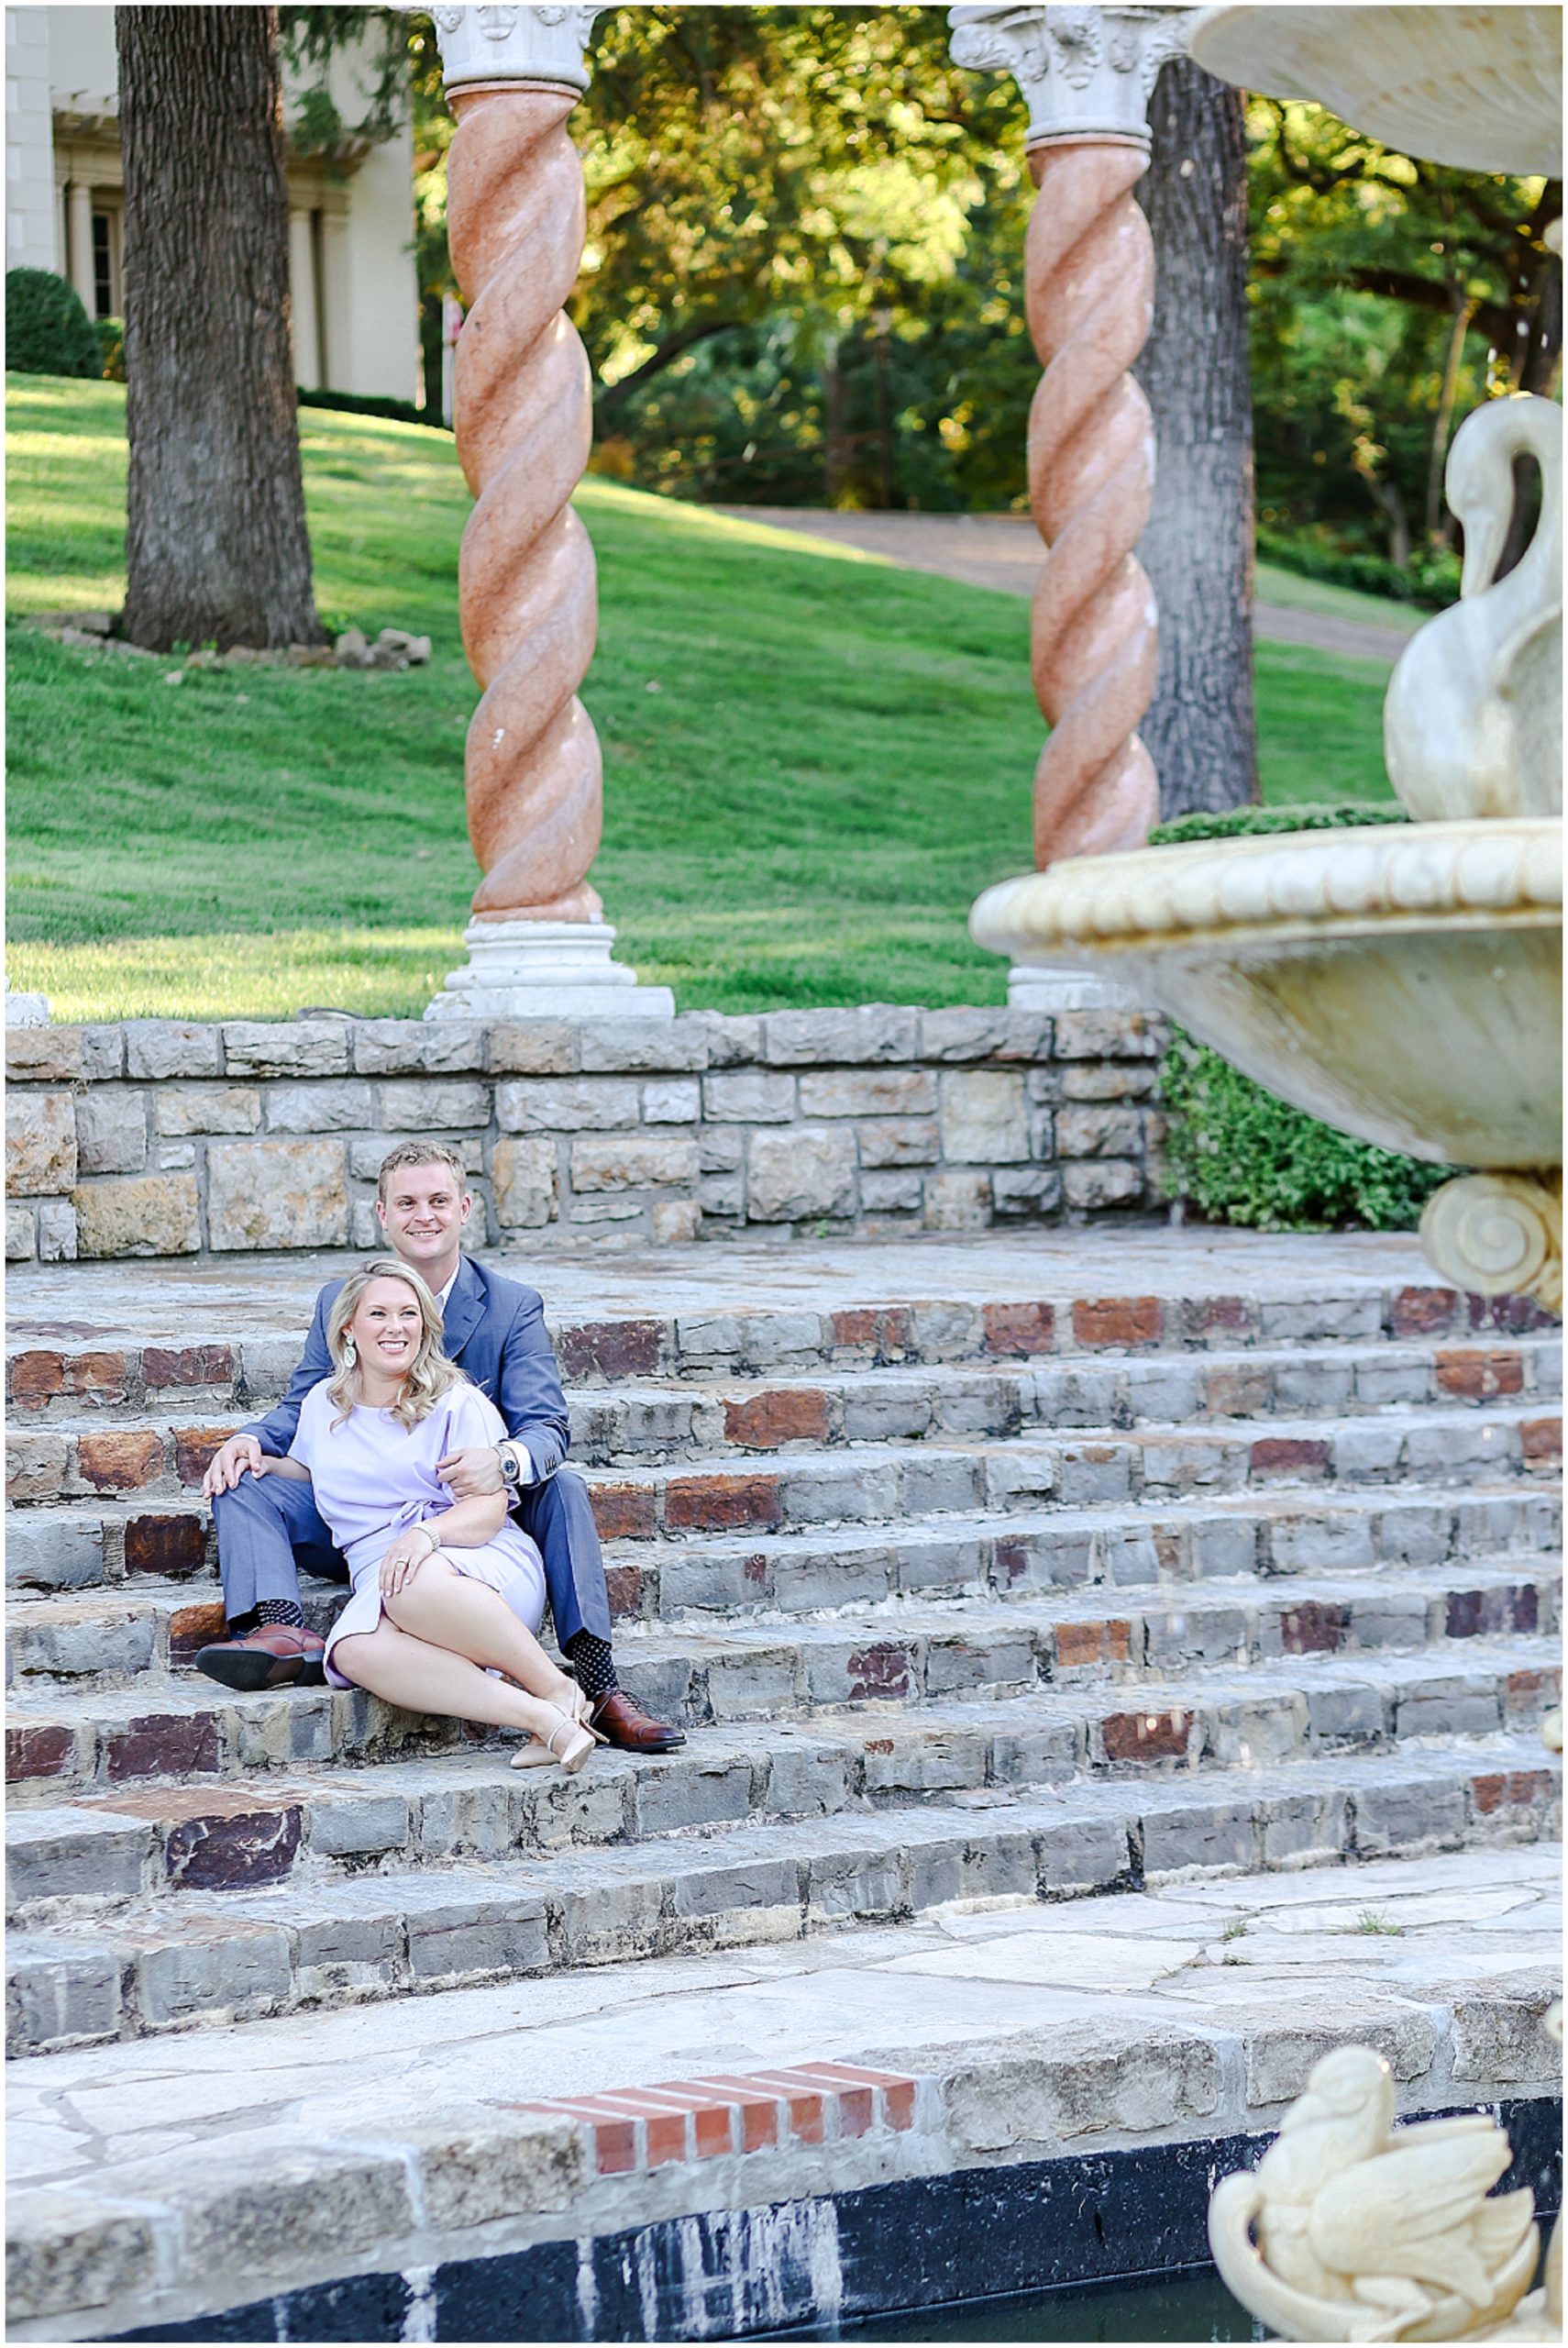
(1390, 297)
(810, 168)
(804, 277)
(791, 285)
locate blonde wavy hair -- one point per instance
(429, 1375)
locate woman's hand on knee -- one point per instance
(402, 1560)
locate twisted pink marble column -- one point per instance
(1090, 291)
(524, 420)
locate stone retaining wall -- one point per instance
(158, 1137)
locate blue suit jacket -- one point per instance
(495, 1331)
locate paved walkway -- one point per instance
(1002, 550)
(243, 1296)
(1319, 1956)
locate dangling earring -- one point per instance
(350, 1353)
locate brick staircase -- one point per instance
(987, 1597)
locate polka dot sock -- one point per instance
(593, 1664)
(286, 1611)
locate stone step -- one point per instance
(132, 1637)
(1103, 1389)
(939, 1302)
(176, 1838)
(51, 1546)
(1279, 1533)
(124, 1546)
(921, 1403)
(167, 1449)
(1370, 1656)
(217, 1957)
(885, 1483)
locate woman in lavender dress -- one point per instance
(448, 1593)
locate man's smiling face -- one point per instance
(424, 1214)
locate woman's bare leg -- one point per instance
(424, 1678)
(448, 1610)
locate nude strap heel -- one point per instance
(580, 1742)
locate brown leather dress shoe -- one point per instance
(622, 1723)
(274, 1656)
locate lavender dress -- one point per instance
(373, 1477)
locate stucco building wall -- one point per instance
(354, 288)
(30, 235)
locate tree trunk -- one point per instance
(835, 448)
(1390, 503)
(1538, 347)
(885, 417)
(1198, 549)
(1463, 312)
(216, 542)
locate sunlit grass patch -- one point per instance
(375, 974)
(814, 760)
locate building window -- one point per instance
(102, 267)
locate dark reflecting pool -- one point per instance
(1194, 2306)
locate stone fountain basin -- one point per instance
(1403, 984)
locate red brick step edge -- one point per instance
(686, 2120)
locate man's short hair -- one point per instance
(420, 1153)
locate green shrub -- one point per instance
(48, 332)
(1238, 1153)
(111, 334)
(1430, 580)
(1239, 822)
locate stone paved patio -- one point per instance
(1316, 1956)
(378, 2140)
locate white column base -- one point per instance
(545, 970)
(1029, 988)
(27, 1011)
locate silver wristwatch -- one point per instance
(511, 1467)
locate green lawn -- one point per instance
(1289, 590)
(814, 761)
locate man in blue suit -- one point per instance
(268, 1527)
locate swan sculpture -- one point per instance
(1473, 724)
(1364, 2232)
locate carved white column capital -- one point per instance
(487, 45)
(1086, 72)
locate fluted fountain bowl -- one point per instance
(1404, 984)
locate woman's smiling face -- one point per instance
(387, 1326)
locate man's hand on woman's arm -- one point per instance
(467, 1474)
